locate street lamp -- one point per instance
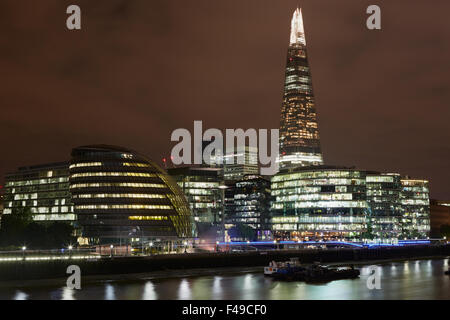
(111, 250)
(150, 245)
(70, 251)
(185, 246)
(23, 252)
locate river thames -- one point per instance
(416, 279)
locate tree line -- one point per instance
(18, 229)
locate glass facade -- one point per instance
(201, 188)
(324, 202)
(299, 133)
(250, 206)
(383, 196)
(42, 188)
(233, 170)
(120, 194)
(327, 203)
(415, 202)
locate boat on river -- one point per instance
(318, 273)
(312, 273)
(282, 267)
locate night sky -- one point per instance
(140, 69)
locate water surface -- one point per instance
(419, 279)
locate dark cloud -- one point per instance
(140, 69)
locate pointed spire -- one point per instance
(297, 31)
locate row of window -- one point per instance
(117, 184)
(36, 182)
(123, 206)
(120, 195)
(97, 164)
(113, 174)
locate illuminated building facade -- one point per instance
(324, 202)
(120, 194)
(240, 162)
(415, 202)
(250, 206)
(299, 133)
(321, 202)
(383, 196)
(200, 185)
(44, 189)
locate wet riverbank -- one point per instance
(129, 267)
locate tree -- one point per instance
(14, 225)
(60, 234)
(445, 230)
(18, 229)
(243, 232)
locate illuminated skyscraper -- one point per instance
(299, 133)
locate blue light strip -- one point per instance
(353, 244)
(240, 243)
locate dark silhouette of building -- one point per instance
(439, 216)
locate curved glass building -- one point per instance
(119, 194)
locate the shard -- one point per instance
(299, 133)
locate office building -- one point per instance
(200, 185)
(44, 189)
(383, 197)
(250, 208)
(439, 216)
(299, 132)
(325, 202)
(241, 161)
(321, 202)
(415, 202)
(119, 194)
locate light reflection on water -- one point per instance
(421, 279)
(110, 292)
(149, 291)
(184, 292)
(19, 295)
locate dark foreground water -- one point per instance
(421, 279)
